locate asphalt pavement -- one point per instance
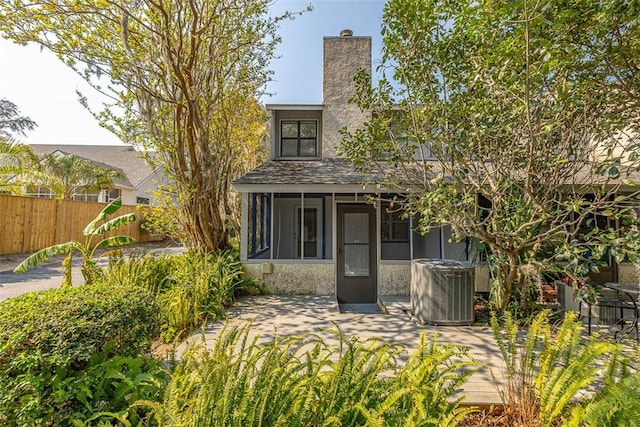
(49, 274)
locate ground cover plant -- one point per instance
(190, 288)
(81, 356)
(307, 380)
(51, 339)
(551, 372)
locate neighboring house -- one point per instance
(137, 186)
(306, 225)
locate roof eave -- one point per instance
(307, 188)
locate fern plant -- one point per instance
(616, 404)
(306, 381)
(546, 372)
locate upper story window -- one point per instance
(298, 138)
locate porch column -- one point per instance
(244, 232)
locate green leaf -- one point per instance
(110, 209)
(114, 223)
(614, 172)
(115, 241)
(44, 254)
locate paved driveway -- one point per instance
(49, 274)
(292, 315)
(45, 276)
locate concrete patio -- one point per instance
(293, 315)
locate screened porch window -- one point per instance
(394, 233)
(298, 138)
(259, 224)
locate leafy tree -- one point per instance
(516, 123)
(15, 158)
(11, 122)
(69, 174)
(183, 77)
(97, 228)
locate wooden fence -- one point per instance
(28, 224)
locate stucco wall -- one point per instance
(628, 273)
(296, 278)
(343, 57)
(319, 278)
(394, 279)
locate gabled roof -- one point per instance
(122, 157)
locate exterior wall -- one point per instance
(481, 279)
(129, 196)
(297, 278)
(148, 187)
(278, 115)
(343, 57)
(394, 279)
(628, 273)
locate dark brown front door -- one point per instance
(357, 280)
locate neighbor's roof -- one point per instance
(123, 157)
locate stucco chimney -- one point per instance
(343, 57)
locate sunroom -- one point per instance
(333, 239)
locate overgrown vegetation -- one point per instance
(84, 353)
(550, 371)
(304, 380)
(81, 356)
(191, 288)
(97, 228)
(51, 340)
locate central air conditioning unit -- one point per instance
(442, 291)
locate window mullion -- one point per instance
(299, 144)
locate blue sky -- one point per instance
(45, 89)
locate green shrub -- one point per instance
(303, 380)
(148, 271)
(56, 333)
(615, 404)
(191, 288)
(107, 387)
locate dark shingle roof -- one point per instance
(122, 157)
(292, 172)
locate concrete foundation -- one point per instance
(294, 278)
(628, 273)
(308, 278)
(394, 279)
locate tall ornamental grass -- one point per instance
(190, 288)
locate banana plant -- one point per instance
(99, 226)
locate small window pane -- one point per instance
(307, 147)
(356, 227)
(289, 129)
(289, 148)
(400, 231)
(356, 260)
(308, 130)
